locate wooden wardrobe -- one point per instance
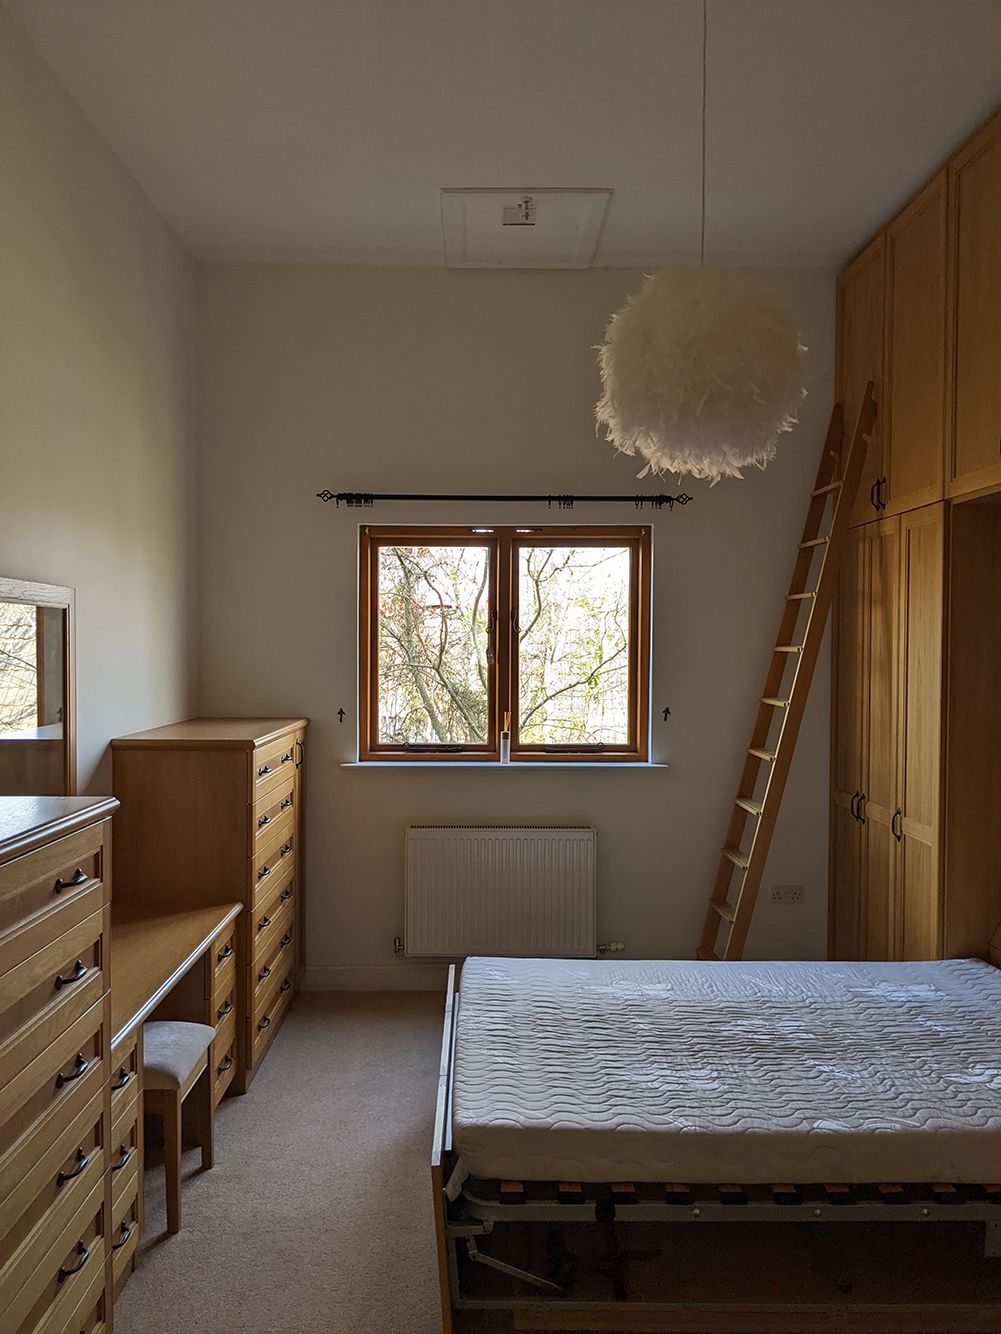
(915, 856)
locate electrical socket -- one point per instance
(787, 893)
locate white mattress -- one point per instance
(592, 1070)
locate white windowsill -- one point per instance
(492, 765)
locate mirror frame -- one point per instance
(55, 595)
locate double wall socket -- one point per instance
(787, 893)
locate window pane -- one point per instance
(433, 622)
(18, 667)
(573, 654)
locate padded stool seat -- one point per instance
(175, 1062)
(171, 1050)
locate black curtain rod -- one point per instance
(366, 499)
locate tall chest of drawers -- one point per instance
(56, 1150)
(212, 811)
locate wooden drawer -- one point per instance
(124, 1155)
(124, 1074)
(124, 1233)
(51, 1178)
(62, 1281)
(51, 878)
(52, 987)
(223, 982)
(224, 954)
(275, 859)
(268, 926)
(278, 957)
(55, 1077)
(270, 765)
(270, 808)
(225, 1058)
(88, 1316)
(269, 1014)
(224, 1007)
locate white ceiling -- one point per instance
(324, 129)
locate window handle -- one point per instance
(514, 620)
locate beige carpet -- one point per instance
(317, 1214)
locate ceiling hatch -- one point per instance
(522, 229)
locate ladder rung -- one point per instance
(726, 910)
(737, 857)
(798, 597)
(774, 703)
(707, 954)
(788, 648)
(814, 542)
(768, 755)
(826, 490)
(746, 804)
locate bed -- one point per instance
(651, 1091)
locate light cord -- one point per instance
(702, 222)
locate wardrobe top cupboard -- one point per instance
(915, 867)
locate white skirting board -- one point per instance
(402, 976)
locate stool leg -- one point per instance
(172, 1160)
(206, 1119)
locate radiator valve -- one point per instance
(612, 947)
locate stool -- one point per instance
(175, 1062)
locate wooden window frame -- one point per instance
(504, 544)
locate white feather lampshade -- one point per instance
(702, 370)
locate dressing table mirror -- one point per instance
(37, 705)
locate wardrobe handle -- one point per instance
(897, 830)
(226, 953)
(84, 1255)
(879, 492)
(79, 878)
(872, 495)
(80, 1067)
(123, 1078)
(851, 805)
(859, 816)
(300, 747)
(125, 1231)
(80, 971)
(82, 1159)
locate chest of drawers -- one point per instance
(212, 811)
(55, 1096)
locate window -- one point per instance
(463, 629)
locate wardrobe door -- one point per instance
(915, 823)
(881, 743)
(860, 359)
(913, 406)
(975, 317)
(850, 623)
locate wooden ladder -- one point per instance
(783, 700)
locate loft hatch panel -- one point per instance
(522, 229)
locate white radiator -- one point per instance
(527, 891)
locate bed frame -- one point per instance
(472, 1212)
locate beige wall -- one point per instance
(96, 304)
(378, 379)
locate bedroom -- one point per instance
(224, 290)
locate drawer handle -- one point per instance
(286, 940)
(284, 849)
(265, 972)
(125, 1231)
(221, 1069)
(82, 1159)
(79, 877)
(125, 1157)
(265, 819)
(123, 1078)
(226, 953)
(80, 1067)
(265, 921)
(80, 971)
(265, 870)
(84, 1255)
(264, 1023)
(264, 770)
(226, 1009)
(286, 894)
(287, 757)
(285, 804)
(285, 985)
